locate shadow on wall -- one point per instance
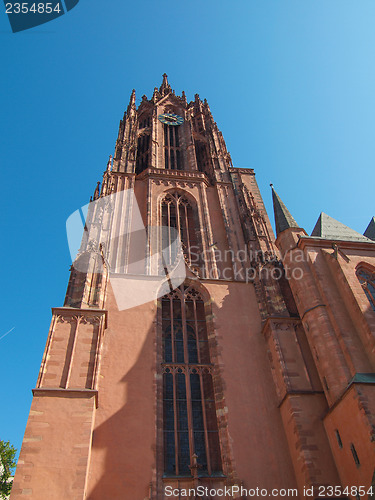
(123, 449)
(124, 458)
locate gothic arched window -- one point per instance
(190, 427)
(367, 280)
(172, 150)
(181, 214)
(143, 148)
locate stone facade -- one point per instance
(289, 330)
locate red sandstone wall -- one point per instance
(124, 441)
(340, 328)
(353, 418)
(124, 438)
(255, 428)
(56, 447)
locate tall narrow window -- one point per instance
(172, 150)
(190, 425)
(367, 281)
(201, 152)
(143, 147)
(179, 213)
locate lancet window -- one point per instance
(201, 155)
(172, 149)
(367, 280)
(190, 430)
(143, 148)
(181, 214)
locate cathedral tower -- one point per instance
(230, 373)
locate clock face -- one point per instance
(171, 119)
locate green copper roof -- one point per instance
(370, 231)
(283, 218)
(329, 228)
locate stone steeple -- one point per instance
(370, 231)
(165, 88)
(132, 106)
(283, 218)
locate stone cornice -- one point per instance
(84, 313)
(62, 393)
(236, 170)
(173, 175)
(122, 174)
(295, 392)
(318, 242)
(351, 385)
(288, 320)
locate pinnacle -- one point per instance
(165, 88)
(370, 230)
(283, 218)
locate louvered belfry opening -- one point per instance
(189, 413)
(143, 148)
(201, 152)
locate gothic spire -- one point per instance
(132, 105)
(283, 218)
(97, 191)
(165, 88)
(109, 164)
(370, 231)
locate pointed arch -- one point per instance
(173, 140)
(143, 150)
(173, 157)
(179, 210)
(366, 276)
(190, 427)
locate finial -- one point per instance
(165, 87)
(271, 185)
(109, 164)
(132, 102)
(97, 191)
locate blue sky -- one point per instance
(290, 84)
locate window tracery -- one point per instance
(143, 148)
(172, 149)
(367, 280)
(189, 414)
(179, 213)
